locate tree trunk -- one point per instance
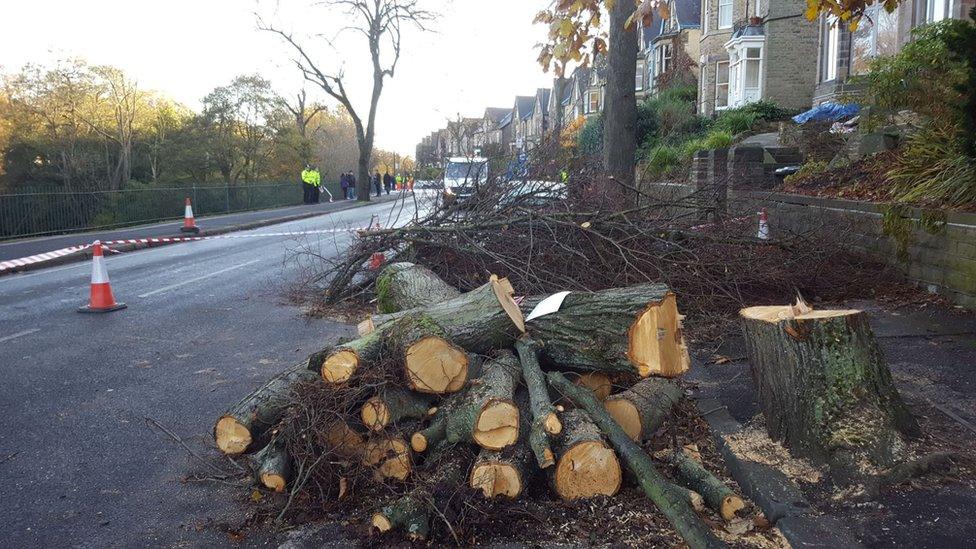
(620, 115)
(824, 387)
(643, 408)
(633, 330)
(273, 466)
(389, 457)
(586, 465)
(403, 286)
(433, 341)
(545, 422)
(503, 473)
(250, 419)
(673, 503)
(392, 405)
(488, 415)
(363, 183)
(716, 494)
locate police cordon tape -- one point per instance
(106, 245)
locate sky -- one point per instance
(479, 53)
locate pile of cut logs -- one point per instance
(530, 394)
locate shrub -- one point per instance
(806, 170)
(684, 94)
(934, 168)
(735, 121)
(767, 110)
(590, 138)
(647, 122)
(717, 140)
(662, 160)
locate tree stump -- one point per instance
(824, 387)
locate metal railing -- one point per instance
(41, 213)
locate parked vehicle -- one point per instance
(463, 176)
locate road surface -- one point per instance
(207, 322)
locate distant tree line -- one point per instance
(78, 127)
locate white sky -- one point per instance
(481, 55)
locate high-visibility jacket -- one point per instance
(308, 176)
(316, 178)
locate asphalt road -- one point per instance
(15, 249)
(207, 322)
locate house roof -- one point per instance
(506, 120)
(496, 114)
(749, 30)
(560, 87)
(687, 14)
(524, 106)
(651, 32)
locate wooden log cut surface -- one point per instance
(586, 465)
(487, 414)
(642, 409)
(393, 405)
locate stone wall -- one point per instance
(942, 263)
(792, 44)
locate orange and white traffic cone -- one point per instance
(376, 261)
(189, 224)
(763, 225)
(101, 299)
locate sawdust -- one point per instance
(752, 443)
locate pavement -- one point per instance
(16, 249)
(931, 351)
(207, 323)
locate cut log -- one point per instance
(719, 497)
(487, 415)
(435, 434)
(673, 503)
(392, 406)
(632, 330)
(435, 493)
(824, 387)
(403, 286)
(482, 320)
(586, 466)
(642, 409)
(505, 473)
(345, 442)
(248, 421)
(273, 466)
(545, 422)
(598, 382)
(389, 457)
(434, 341)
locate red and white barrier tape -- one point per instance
(49, 256)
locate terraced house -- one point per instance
(669, 44)
(845, 54)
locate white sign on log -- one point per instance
(548, 306)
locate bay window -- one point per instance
(745, 69)
(721, 84)
(831, 49)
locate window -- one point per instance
(935, 10)
(641, 68)
(753, 62)
(877, 35)
(755, 8)
(593, 102)
(721, 84)
(724, 14)
(831, 49)
(662, 59)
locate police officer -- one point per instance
(308, 187)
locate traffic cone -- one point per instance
(101, 299)
(189, 224)
(763, 225)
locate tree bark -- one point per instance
(586, 465)
(634, 330)
(719, 497)
(673, 503)
(643, 408)
(545, 422)
(487, 414)
(392, 405)
(245, 425)
(503, 473)
(273, 466)
(403, 286)
(824, 387)
(620, 115)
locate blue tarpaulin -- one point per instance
(830, 112)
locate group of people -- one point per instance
(312, 184)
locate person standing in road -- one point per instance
(399, 182)
(387, 181)
(376, 183)
(344, 183)
(352, 186)
(410, 182)
(307, 188)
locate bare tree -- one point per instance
(303, 114)
(382, 23)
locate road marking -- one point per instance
(198, 279)
(19, 334)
